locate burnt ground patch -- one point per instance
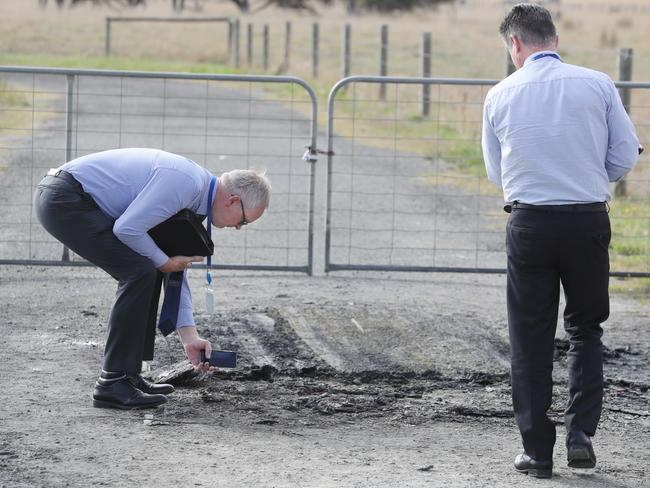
(281, 380)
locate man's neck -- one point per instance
(527, 51)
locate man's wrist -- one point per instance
(187, 334)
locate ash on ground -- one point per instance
(279, 379)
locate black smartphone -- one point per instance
(221, 359)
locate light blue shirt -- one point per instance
(141, 188)
(556, 134)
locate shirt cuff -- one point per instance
(185, 318)
(159, 258)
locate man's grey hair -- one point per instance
(531, 23)
(252, 186)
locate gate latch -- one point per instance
(311, 154)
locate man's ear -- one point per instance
(515, 43)
(232, 199)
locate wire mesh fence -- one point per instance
(408, 191)
(49, 116)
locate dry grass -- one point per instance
(465, 43)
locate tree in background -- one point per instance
(118, 3)
(393, 5)
(353, 6)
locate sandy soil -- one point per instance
(318, 399)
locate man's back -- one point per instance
(558, 135)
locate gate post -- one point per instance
(107, 37)
(426, 73)
(383, 59)
(68, 138)
(624, 74)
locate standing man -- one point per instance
(101, 206)
(554, 136)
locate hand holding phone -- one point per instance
(220, 359)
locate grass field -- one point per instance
(465, 40)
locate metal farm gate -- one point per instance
(222, 122)
(404, 188)
(407, 189)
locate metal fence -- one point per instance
(408, 191)
(49, 116)
(404, 189)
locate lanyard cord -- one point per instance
(549, 55)
(213, 180)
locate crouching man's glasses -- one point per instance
(244, 220)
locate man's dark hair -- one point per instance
(531, 23)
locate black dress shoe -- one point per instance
(152, 388)
(579, 451)
(538, 469)
(122, 394)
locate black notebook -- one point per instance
(182, 234)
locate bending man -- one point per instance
(101, 206)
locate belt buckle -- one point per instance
(53, 172)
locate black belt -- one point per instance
(571, 208)
(64, 175)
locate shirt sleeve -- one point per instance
(185, 315)
(491, 147)
(623, 143)
(167, 192)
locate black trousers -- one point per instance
(546, 248)
(73, 217)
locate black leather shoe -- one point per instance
(538, 469)
(123, 395)
(579, 451)
(152, 388)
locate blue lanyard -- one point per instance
(545, 55)
(213, 180)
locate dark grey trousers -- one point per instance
(72, 216)
(546, 249)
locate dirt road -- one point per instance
(326, 393)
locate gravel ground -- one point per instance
(357, 380)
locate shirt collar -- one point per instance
(543, 55)
(203, 203)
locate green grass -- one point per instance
(637, 287)
(630, 244)
(461, 149)
(11, 98)
(113, 63)
(15, 111)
